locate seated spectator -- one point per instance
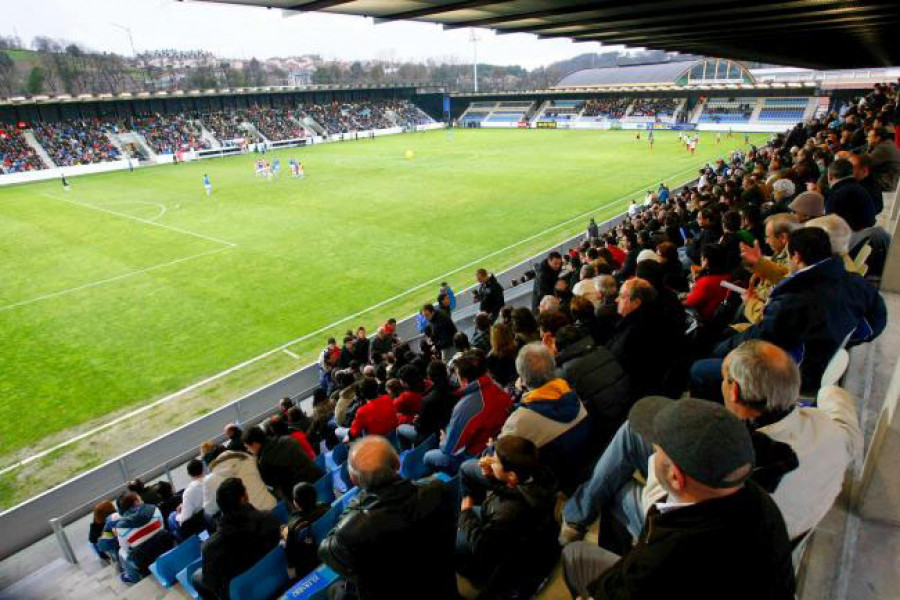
(597, 378)
(210, 450)
(437, 405)
(885, 158)
(501, 360)
(103, 540)
(142, 536)
(378, 415)
(809, 314)
(862, 172)
(240, 465)
(478, 415)
(715, 525)
(847, 198)
(412, 524)
(299, 546)
(808, 205)
(768, 271)
(607, 314)
(234, 438)
(587, 286)
(481, 337)
(244, 536)
(551, 416)
(707, 292)
(525, 326)
(409, 402)
(489, 294)
(298, 424)
(506, 539)
(282, 463)
(187, 519)
(320, 428)
(383, 343)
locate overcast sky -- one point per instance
(241, 31)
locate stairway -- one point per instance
(139, 141)
(89, 580)
(207, 135)
(39, 150)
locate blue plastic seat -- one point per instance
(264, 580)
(345, 499)
(452, 482)
(339, 454)
(314, 586)
(320, 462)
(412, 462)
(167, 566)
(341, 478)
(324, 524)
(184, 578)
(281, 511)
(325, 488)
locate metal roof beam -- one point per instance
(535, 14)
(668, 10)
(437, 10)
(317, 5)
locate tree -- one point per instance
(7, 74)
(36, 78)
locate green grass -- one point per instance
(365, 225)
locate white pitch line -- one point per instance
(110, 279)
(287, 345)
(291, 354)
(140, 220)
(161, 207)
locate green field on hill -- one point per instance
(133, 285)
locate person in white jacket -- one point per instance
(243, 466)
(761, 386)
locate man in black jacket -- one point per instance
(282, 462)
(546, 275)
(643, 341)
(244, 536)
(597, 378)
(710, 232)
(714, 527)
(392, 524)
(489, 293)
(442, 330)
(847, 198)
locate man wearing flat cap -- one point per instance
(715, 535)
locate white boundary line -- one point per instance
(304, 337)
(140, 220)
(111, 279)
(161, 207)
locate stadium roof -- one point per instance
(808, 33)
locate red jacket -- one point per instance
(707, 294)
(618, 255)
(304, 443)
(407, 406)
(377, 417)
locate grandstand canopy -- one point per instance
(702, 72)
(809, 33)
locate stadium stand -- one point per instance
(596, 357)
(76, 142)
(275, 124)
(168, 134)
(731, 110)
(783, 110)
(16, 155)
(226, 126)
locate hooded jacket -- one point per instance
(399, 523)
(598, 380)
(478, 416)
(491, 294)
(812, 312)
(554, 419)
(243, 466)
(734, 547)
(283, 464)
(142, 536)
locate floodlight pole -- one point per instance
(474, 39)
(130, 39)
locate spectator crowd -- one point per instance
(654, 107)
(16, 155)
(76, 142)
(610, 108)
(489, 455)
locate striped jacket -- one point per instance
(478, 416)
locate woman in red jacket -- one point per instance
(707, 292)
(376, 416)
(408, 402)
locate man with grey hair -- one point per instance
(587, 287)
(783, 190)
(414, 525)
(802, 453)
(551, 416)
(768, 270)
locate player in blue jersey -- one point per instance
(207, 185)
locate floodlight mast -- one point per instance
(130, 39)
(473, 37)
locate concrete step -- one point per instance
(36, 145)
(146, 589)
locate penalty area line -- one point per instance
(285, 346)
(120, 277)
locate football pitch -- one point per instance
(131, 286)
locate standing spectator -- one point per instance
(282, 463)
(244, 536)
(412, 525)
(442, 330)
(233, 438)
(546, 275)
(489, 294)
